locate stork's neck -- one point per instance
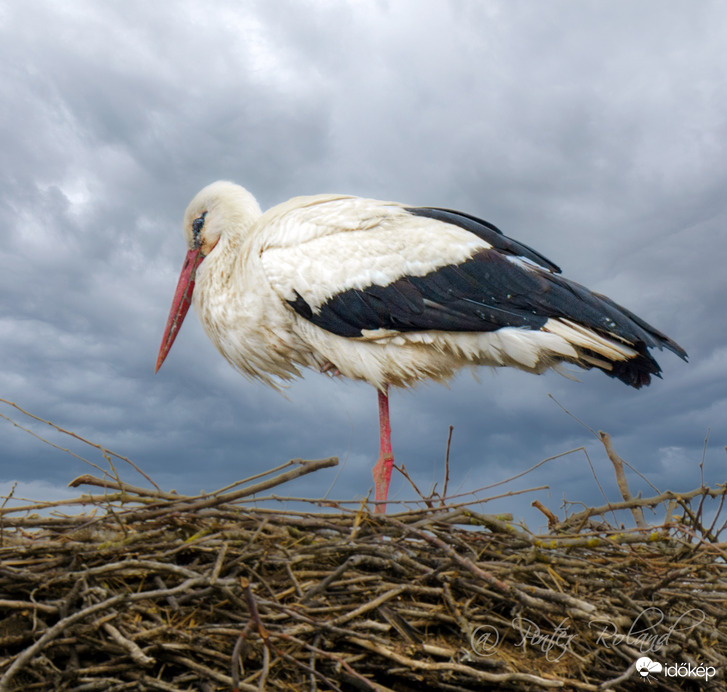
(217, 270)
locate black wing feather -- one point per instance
(487, 231)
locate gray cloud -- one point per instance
(595, 133)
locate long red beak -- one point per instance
(181, 303)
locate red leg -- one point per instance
(382, 470)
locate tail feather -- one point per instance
(635, 371)
(611, 353)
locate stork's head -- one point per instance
(219, 209)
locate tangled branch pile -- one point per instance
(153, 591)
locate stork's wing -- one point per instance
(487, 231)
(433, 269)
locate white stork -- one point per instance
(388, 294)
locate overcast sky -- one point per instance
(592, 131)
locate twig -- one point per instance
(523, 473)
(701, 476)
(446, 467)
(574, 417)
(553, 521)
(614, 682)
(474, 673)
(371, 605)
(185, 504)
(137, 655)
(426, 500)
(106, 452)
(88, 479)
(642, 502)
(618, 466)
(261, 630)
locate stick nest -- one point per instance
(153, 591)
(149, 590)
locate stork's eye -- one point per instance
(197, 225)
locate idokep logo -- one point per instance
(646, 668)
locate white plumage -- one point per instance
(388, 294)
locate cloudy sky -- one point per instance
(595, 132)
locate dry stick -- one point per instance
(499, 523)
(208, 672)
(173, 602)
(341, 504)
(722, 528)
(553, 521)
(464, 626)
(101, 448)
(176, 497)
(52, 444)
(406, 630)
(447, 516)
(264, 634)
(446, 467)
(521, 474)
(598, 482)
(697, 524)
(480, 500)
(136, 565)
(623, 486)
(29, 605)
(88, 479)
(244, 481)
(351, 561)
(426, 500)
(611, 684)
(453, 667)
(237, 654)
(644, 502)
(305, 466)
(265, 670)
(137, 655)
(309, 624)
(9, 496)
(698, 513)
(669, 514)
(294, 581)
(81, 500)
(312, 664)
(704, 454)
(371, 605)
(596, 540)
(710, 530)
(185, 504)
(574, 417)
(218, 564)
(593, 432)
